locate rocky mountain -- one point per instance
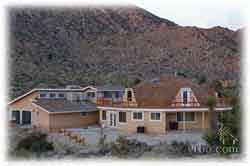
(55, 47)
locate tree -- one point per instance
(211, 103)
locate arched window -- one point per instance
(129, 95)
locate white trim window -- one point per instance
(122, 117)
(189, 116)
(137, 116)
(52, 95)
(61, 95)
(104, 115)
(43, 95)
(155, 116)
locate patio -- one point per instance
(92, 136)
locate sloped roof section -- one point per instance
(162, 91)
(64, 106)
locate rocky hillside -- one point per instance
(118, 45)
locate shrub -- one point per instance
(212, 139)
(181, 148)
(35, 142)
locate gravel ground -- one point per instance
(92, 136)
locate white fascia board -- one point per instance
(163, 109)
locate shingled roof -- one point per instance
(64, 106)
(161, 92)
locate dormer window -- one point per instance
(129, 96)
(185, 97)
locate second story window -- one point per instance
(129, 95)
(107, 94)
(43, 95)
(185, 97)
(61, 95)
(91, 94)
(52, 95)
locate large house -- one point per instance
(160, 105)
(155, 106)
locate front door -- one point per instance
(112, 119)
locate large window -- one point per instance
(137, 116)
(189, 116)
(104, 117)
(122, 117)
(155, 116)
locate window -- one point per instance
(104, 115)
(155, 116)
(83, 113)
(129, 95)
(122, 117)
(43, 95)
(52, 95)
(137, 116)
(185, 97)
(189, 116)
(107, 94)
(118, 94)
(61, 95)
(91, 94)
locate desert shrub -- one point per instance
(182, 148)
(128, 148)
(212, 139)
(35, 142)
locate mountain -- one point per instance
(52, 47)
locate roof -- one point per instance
(37, 89)
(109, 88)
(161, 92)
(64, 106)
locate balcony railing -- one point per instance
(113, 102)
(221, 101)
(182, 104)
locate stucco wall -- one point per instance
(72, 120)
(151, 127)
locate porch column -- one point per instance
(21, 117)
(203, 120)
(184, 121)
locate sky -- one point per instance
(204, 14)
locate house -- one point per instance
(161, 105)
(70, 107)
(156, 106)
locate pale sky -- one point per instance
(200, 13)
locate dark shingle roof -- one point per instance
(64, 106)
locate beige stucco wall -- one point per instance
(24, 103)
(40, 119)
(72, 120)
(151, 127)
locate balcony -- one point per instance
(222, 102)
(113, 102)
(182, 104)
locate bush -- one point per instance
(35, 142)
(212, 139)
(181, 148)
(128, 148)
